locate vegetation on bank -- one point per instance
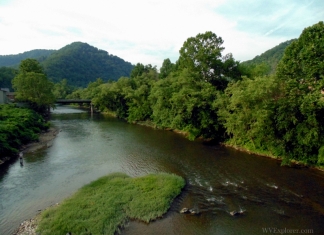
(211, 95)
(18, 126)
(103, 206)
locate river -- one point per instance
(219, 179)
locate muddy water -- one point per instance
(219, 179)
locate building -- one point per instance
(4, 92)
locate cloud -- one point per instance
(149, 31)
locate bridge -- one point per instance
(75, 101)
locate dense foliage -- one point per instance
(6, 76)
(80, 63)
(282, 115)
(31, 85)
(18, 126)
(103, 206)
(210, 95)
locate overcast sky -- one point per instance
(149, 31)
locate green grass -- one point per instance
(103, 206)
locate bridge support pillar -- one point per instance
(91, 108)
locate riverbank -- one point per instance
(143, 198)
(45, 140)
(292, 163)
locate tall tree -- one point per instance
(32, 86)
(203, 55)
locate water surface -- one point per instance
(219, 179)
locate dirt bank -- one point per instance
(45, 141)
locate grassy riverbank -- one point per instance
(103, 206)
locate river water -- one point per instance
(219, 179)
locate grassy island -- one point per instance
(103, 206)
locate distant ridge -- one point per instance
(270, 57)
(14, 60)
(79, 63)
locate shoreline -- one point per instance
(294, 163)
(45, 140)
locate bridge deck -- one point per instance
(70, 101)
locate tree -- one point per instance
(300, 114)
(247, 110)
(183, 102)
(6, 76)
(62, 89)
(203, 55)
(304, 58)
(30, 65)
(166, 69)
(32, 86)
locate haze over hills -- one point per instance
(77, 62)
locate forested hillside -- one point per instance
(270, 58)
(79, 63)
(14, 60)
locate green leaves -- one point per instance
(247, 109)
(18, 126)
(31, 85)
(203, 55)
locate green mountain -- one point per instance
(81, 63)
(270, 57)
(14, 60)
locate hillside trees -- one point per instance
(32, 86)
(300, 115)
(81, 63)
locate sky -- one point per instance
(149, 31)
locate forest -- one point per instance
(211, 95)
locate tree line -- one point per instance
(209, 94)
